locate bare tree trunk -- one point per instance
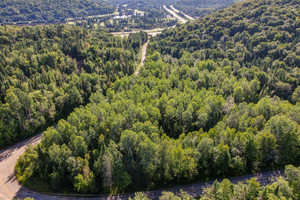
(20, 122)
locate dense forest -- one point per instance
(282, 188)
(46, 71)
(49, 11)
(200, 8)
(217, 97)
(259, 37)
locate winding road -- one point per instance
(11, 189)
(9, 186)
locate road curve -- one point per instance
(9, 186)
(11, 189)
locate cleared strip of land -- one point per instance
(143, 59)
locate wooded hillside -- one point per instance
(47, 71)
(217, 97)
(49, 11)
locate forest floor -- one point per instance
(11, 189)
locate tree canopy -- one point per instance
(216, 97)
(49, 11)
(47, 71)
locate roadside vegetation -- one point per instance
(283, 187)
(217, 97)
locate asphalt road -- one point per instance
(181, 20)
(11, 189)
(9, 186)
(187, 16)
(152, 32)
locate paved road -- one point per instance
(10, 188)
(187, 16)
(152, 32)
(181, 20)
(172, 7)
(155, 31)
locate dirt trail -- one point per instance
(11, 189)
(144, 51)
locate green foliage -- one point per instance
(85, 184)
(197, 110)
(25, 165)
(281, 188)
(41, 11)
(134, 138)
(247, 35)
(47, 71)
(139, 196)
(168, 196)
(200, 8)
